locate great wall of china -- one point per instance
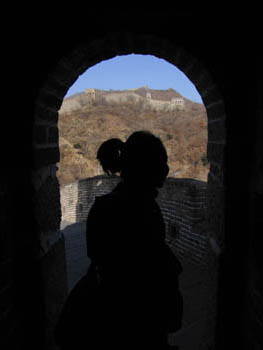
(182, 201)
(147, 103)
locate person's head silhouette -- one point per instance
(141, 160)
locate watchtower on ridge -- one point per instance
(91, 93)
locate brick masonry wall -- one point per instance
(49, 248)
(68, 200)
(183, 203)
(78, 197)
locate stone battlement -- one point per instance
(183, 203)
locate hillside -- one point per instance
(85, 123)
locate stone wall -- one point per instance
(49, 248)
(76, 102)
(69, 200)
(182, 201)
(78, 197)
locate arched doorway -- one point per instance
(46, 135)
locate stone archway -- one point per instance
(45, 136)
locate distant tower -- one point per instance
(148, 95)
(177, 102)
(91, 94)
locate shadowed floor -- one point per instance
(191, 283)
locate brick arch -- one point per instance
(50, 98)
(85, 55)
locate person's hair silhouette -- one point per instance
(141, 160)
(137, 300)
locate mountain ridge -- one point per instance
(83, 129)
(79, 99)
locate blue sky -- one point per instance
(133, 71)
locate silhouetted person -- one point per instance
(138, 300)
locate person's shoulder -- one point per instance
(109, 203)
(106, 201)
(102, 207)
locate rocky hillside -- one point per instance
(85, 122)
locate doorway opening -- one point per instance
(204, 208)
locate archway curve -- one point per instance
(76, 62)
(85, 55)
